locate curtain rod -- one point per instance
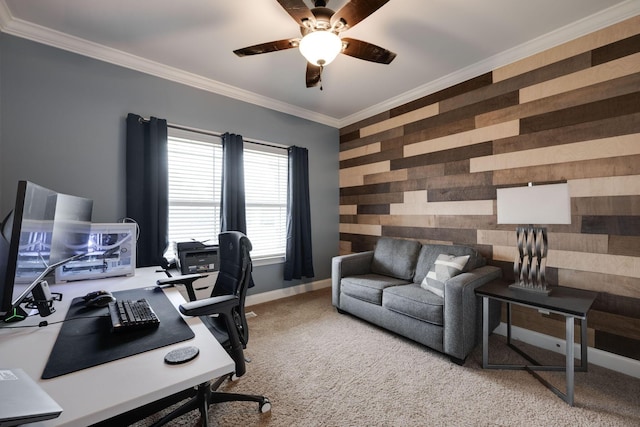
(219, 135)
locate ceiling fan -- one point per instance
(321, 42)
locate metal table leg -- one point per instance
(570, 324)
(569, 366)
(485, 332)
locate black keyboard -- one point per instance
(129, 315)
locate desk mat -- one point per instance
(84, 342)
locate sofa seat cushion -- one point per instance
(368, 287)
(412, 300)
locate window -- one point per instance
(195, 167)
(265, 186)
(194, 190)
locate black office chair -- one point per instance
(229, 325)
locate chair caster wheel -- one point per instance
(265, 406)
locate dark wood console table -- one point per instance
(568, 302)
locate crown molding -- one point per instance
(590, 24)
(43, 35)
(5, 15)
(47, 36)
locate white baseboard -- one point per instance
(287, 292)
(602, 358)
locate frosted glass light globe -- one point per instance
(320, 47)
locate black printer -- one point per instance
(196, 257)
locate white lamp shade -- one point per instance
(539, 204)
(320, 47)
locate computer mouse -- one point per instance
(92, 295)
(98, 299)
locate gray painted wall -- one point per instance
(62, 119)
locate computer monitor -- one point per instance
(71, 228)
(45, 230)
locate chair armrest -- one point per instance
(461, 309)
(210, 306)
(222, 305)
(348, 265)
(186, 280)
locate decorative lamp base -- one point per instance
(533, 289)
(531, 260)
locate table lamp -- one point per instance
(541, 205)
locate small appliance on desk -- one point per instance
(112, 253)
(196, 257)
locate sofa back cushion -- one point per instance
(429, 253)
(395, 258)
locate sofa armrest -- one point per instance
(348, 265)
(461, 310)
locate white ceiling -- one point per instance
(438, 42)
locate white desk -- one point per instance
(101, 392)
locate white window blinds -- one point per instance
(265, 175)
(195, 168)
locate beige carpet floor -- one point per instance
(321, 368)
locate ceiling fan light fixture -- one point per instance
(320, 47)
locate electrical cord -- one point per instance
(45, 323)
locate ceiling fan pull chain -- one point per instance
(320, 79)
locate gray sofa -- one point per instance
(423, 292)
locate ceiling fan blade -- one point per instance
(298, 11)
(267, 47)
(355, 11)
(367, 51)
(313, 75)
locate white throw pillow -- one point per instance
(445, 267)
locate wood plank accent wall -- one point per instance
(428, 170)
